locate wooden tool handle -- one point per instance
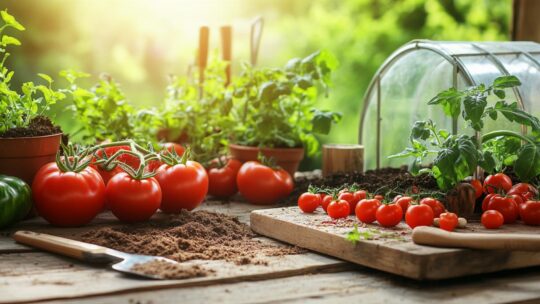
(490, 241)
(226, 46)
(60, 245)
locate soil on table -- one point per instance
(39, 126)
(188, 236)
(170, 271)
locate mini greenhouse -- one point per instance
(398, 93)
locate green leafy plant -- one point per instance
(275, 107)
(104, 114)
(18, 109)
(457, 156)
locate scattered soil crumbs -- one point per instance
(171, 271)
(189, 236)
(39, 126)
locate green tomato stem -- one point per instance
(508, 133)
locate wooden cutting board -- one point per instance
(388, 249)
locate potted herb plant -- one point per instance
(28, 139)
(274, 111)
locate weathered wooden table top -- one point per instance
(31, 275)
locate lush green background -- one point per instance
(140, 42)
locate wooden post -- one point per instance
(202, 56)
(226, 46)
(342, 158)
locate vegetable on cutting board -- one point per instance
(15, 200)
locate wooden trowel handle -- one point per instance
(490, 241)
(63, 246)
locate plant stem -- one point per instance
(494, 134)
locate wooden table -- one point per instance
(31, 275)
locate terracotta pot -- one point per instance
(167, 135)
(23, 156)
(287, 158)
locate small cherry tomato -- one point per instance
(170, 146)
(530, 212)
(486, 200)
(419, 215)
(222, 180)
(389, 215)
(379, 197)
(338, 209)
(527, 191)
(506, 205)
(350, 198)
(308, 202)
(497, 182)
(492, 219)
(359, 195)
(448, 221)
(436, 205)
(478, 187)
(396, 198)
(366, 210)
(327, 199)
(404, 202)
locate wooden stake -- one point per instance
(342, 159)
(226, 46)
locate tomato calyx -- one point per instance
(74, 158)
(171, 158)
(108, 163)
(268, 161)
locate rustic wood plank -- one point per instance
(362, 286)
(39, 276)
(391, 249)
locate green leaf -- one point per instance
(474, 106)
(506, 82)
(450, 100)
(488, 162)
(322, 121)
(11, 21)
(514, 114)
(46, 77)
(267, 91)
(500, 93)
(420, 130)
(527, 165)
(8, 40)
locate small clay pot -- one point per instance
(24, 156)
(287, 158)
(461, 200)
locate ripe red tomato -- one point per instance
(530, 212)
(527, 191)
(404, 202)
(396, 198)
(133, 200)
(478, 188)
(436, 205)
(419, 215)
(389, 215)
(222, 181)
(170, 146)
(106, 175)
(308, 202)
(263, 185)
(184, 186)
(497, 182)
(366, 210)
(350, 198)
(506, 205)
(448, 221)
(68, 199)
(338, 209)
(127, 159)
(492, 219)
(486, 200)
(379, 197)
(326, 200)
(359, 195)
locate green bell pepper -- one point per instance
(15, 200)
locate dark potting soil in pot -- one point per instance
(188, 236)
(39, 126)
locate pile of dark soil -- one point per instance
(39, 126)
(167, 270)
(188, 236)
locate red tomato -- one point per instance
(419, 215)
(106, 175)
(448, 221)
(308, 202)
(350, 198)
(133, 200)
(127, 159)
(263, 185)
(366, 210)
(68, 199)
(404, 202)
(222, 181)
(492, 219)
(170, 146)
(527, 191)
(379, 197)
(486, 200)
(497, 182)
(338, 209)
(518, 198)
(530, 212)
(360, 195)
(436, 205)
(396, 198)
(389, 215)
(184, 186)
(506, 205)
(478, 188)
(326, 200)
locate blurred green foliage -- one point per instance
(141, 48)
